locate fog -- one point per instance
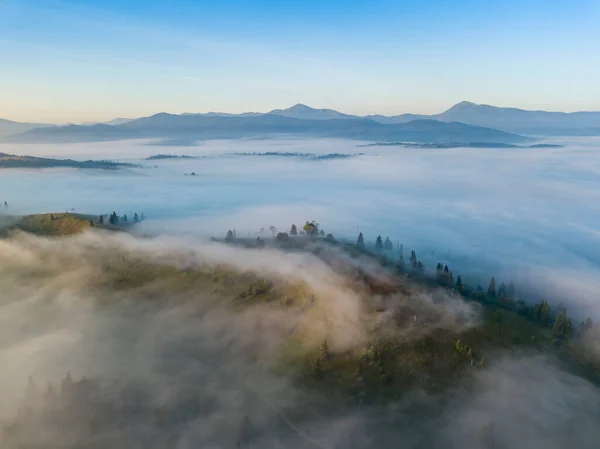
(177, 368)
(161, 367)
(521, 214)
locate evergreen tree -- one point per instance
(294, 230)
(379, 243)
(561, 325)
(388, 244)
(492, 287)
(125, 218)
(446, 269)
(136, 218)
(360, 242)
(101, 219)
(459, 284)
(413, 259)
(569, 328)
(438, 268)
(502, 291)
(229, 236)
(322, 233)
(546, 312)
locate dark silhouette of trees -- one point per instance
(330, 238)
(282, 237)
(101, 219)
(294, 230)
(260, 243)
(136, 218)
(125, 218)
(379, 243)
(542, 312)
(360, 242)
(229, 236)
(272, 229)
(586, 326)
(413, 260)
(563, 326)
(322, 233)
(492, 288)
(502, 290)
(459, 284)
(113, 219)
(388, 245)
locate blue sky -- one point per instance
(79, 60)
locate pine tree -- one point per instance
(438, 268)
(502, 290)
(388, 244)
(229, 236)
(569, 328)
(492, 288)
(446, 269)
(459, 285)
(136, 218)
(560, 325)
(413, 259)
(545, 312)
(294, 230)
(360, 242)
(125, 218)
(101, 219)
(379, 243)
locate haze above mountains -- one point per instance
(464, 122)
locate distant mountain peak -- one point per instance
(304, 112)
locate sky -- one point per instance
(75, 61)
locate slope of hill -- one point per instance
(201, 127)
(523, 121)
(8, 127)
(57, 224)
(14, 161)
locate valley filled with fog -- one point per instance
(518, 212)
(157, 358)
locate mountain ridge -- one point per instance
(505, 119)
(202, 127)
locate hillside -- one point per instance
(8, 127)
(8, 161)
(268, 338)
(51, 225)
(201, 127)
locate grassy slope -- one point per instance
(383, 369)
(43, 224)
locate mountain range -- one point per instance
(464, 122)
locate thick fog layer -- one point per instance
(518, 213)
(162, 367)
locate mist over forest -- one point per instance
(153, 339)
